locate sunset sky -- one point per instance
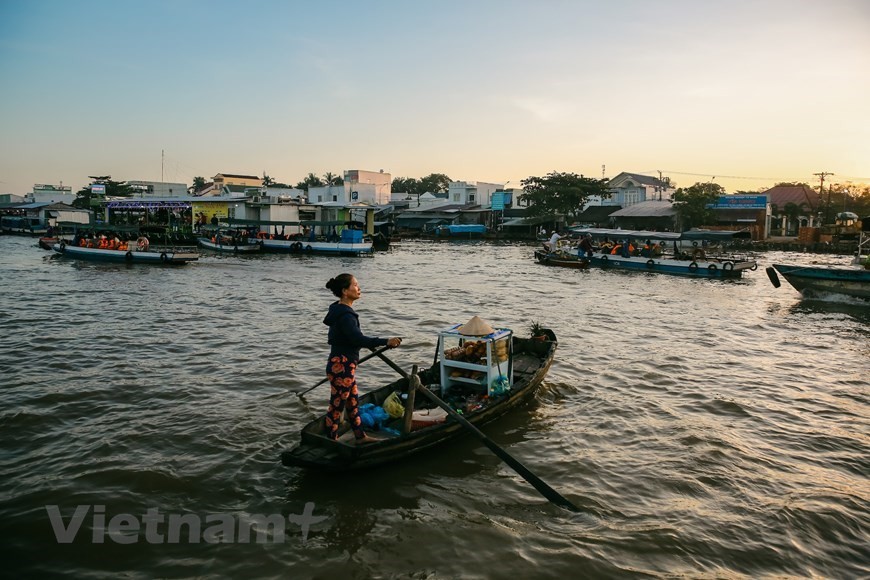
(743, 93)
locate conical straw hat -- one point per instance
(475, 327)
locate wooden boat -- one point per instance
(228, 240)
(47, 242)
(696, 261)
(134, 255)
(531, 360)
(307, 246)
(289, 236)
(561, 259)
(813, 281)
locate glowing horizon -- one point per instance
(752, 93)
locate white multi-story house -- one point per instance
(369, 187)
(160, 189)
(51, 194)
(472, 192)
(630, 188)
(333, 194)
(372, 187)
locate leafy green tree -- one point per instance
(691, 204)
(85, 198)
(408, 185)
(561, 194)
(267, 181)
(853, 197)
(435, 182)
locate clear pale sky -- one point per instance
(480, 90)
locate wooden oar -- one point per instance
(362, 360)
(538, 483)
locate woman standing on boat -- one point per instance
(345, 341)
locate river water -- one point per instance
(706, 428)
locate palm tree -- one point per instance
(198, 184)
(332, 179)
(267, 181)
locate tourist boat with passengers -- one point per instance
(336, 238)
(136, 251)
(695, 253)
(478, 374)
(816, 281)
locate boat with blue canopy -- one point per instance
(694, 253)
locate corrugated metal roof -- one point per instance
(647, 209)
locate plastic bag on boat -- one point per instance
(393, 405)
(372, 416)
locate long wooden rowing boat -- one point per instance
(531, 360)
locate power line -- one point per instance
(781, 178)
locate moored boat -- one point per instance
(464, 380)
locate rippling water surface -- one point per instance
(706, 428)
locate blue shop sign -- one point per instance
(740, 202)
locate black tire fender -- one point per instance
(693, 267)
(163, 257)
(728, 266)
(604, 260)
(712, 267)
(308, 248)
(62, 247)
(128, 256)
(650, 264)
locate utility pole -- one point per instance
(821, 175)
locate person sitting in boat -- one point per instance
(699, 254)
(345, 340)
(646, 250)
(142, 244)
